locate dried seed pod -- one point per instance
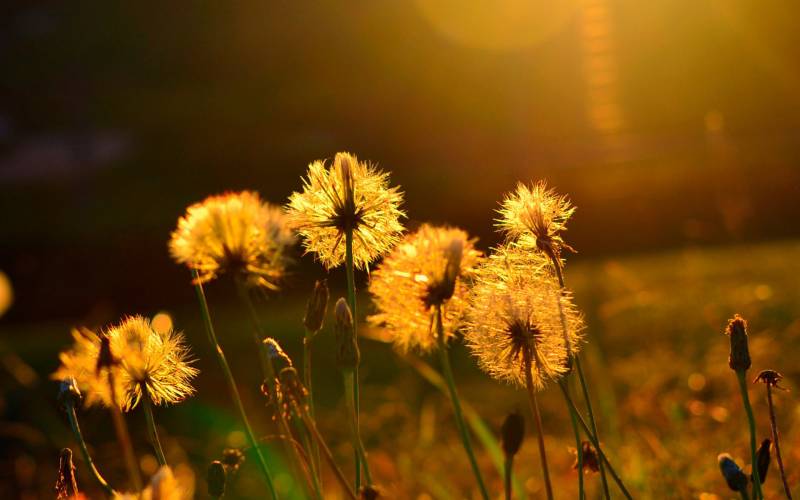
(770, 378)
(347, 354)
(316, 307)
(591, 462)
(232, 459)
(739, 359)
(512, 432)
(736, 479)
(66, 486)
(291, 386)
(216, 479)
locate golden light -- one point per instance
(162, 322)
(6, 293)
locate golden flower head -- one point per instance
(513, 318)
(144, 361)
(347, 196)
(165, 485)
(534, 216)
(428, 269)
(236, 233)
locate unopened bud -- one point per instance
(347, 355)
(732, 473)
(512, 432)
(216, 479)
(739, 359)
(762, 459)
(68, 393)
(316, 307)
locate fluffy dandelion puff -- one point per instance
(165, 485)
(513, 313)
(428, 269)
(234, 233)
(144, 360)
(348, 195)
(534, 217)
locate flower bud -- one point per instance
(68, 393)
(316, 307)
(762, 459)
(512, 432)
(739, 359)
(732, 473)
(216, 479)
(347, 355)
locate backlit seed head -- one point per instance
(317, 307)
(347, 354)
(164, 485)
(348, 195)
(770, 378)
(739, 358)
(429, 269)
(235, 233)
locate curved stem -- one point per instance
(740, 374)
(579, 451)
(594, 441)
(775, 439)
(537, 419)
(76, 431)
(226, 371)
(358, 445)
(351, 298)
(451, 386)
(123, 436)
(151, 428)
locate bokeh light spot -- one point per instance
(162, 322)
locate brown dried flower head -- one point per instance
(739, 358)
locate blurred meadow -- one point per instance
(674, 127)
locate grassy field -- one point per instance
(656, 357)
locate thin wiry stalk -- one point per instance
(357, 443)
(312, 427)
(478, 426)
(307, 382)
(123, 436)
(268, 370)
(508, 469)
(447, 371)
(594, 441)
(151, 428)
(774, 426)
(226, 371)
(537, 419)
(351, 299)
(576, 360)
(76, 431)
(579, 447)
(740, 375)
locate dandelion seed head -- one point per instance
(535, 216)
(165, 484)
(235, 233)
(513, 313)
(348, 195)
(143, 360)
(428, 269)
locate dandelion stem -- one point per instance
(579, 450)
(123, 436)
(307, 382)
(774, 426)
(594, 441)
(312, 427)
(508, 469)
(744, 495)
(76, 431)
(151, 428)
(575, 359)
(447, 371)
(537, 419)
(212, 337)
(358, 445)
(351, 299)
(740, 374)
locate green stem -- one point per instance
(151, 428)
(76, 431)
(774, 426)
(123, 436)
(579, 448)
(312, 427)
(537, 419)
(508, 468)
(451, 386)
(740, 374)
(307, 381)
(576, 360)
(358, 445)
(351, 298)
(744, 495)
(594, 441)
(212, 337)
